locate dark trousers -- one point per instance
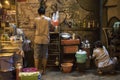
(109, 68)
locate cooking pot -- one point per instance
(65, 35)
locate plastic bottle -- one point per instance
(73, 36)
(88, 24)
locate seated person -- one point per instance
(102, 59)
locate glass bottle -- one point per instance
(57, 61)
(84, 24)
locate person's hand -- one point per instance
(20, 52)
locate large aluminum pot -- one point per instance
(65, 35)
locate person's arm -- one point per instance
(93, 55)
(105, 50)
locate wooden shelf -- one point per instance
(53, 49)
(79, 29)
(54, 54)
(54, 32)
(69, 48)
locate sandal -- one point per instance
(41, 71)
(100, 72)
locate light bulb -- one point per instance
(0, 5)
(7, 2)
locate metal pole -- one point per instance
(101, 8)
(16, 16)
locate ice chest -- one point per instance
(30, 74)
(6, 62)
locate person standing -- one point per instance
(41, 41)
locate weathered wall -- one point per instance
(113, 11)
(74, 11)
(110, 15)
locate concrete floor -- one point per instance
(74, 75)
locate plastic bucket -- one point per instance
(81, 58)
